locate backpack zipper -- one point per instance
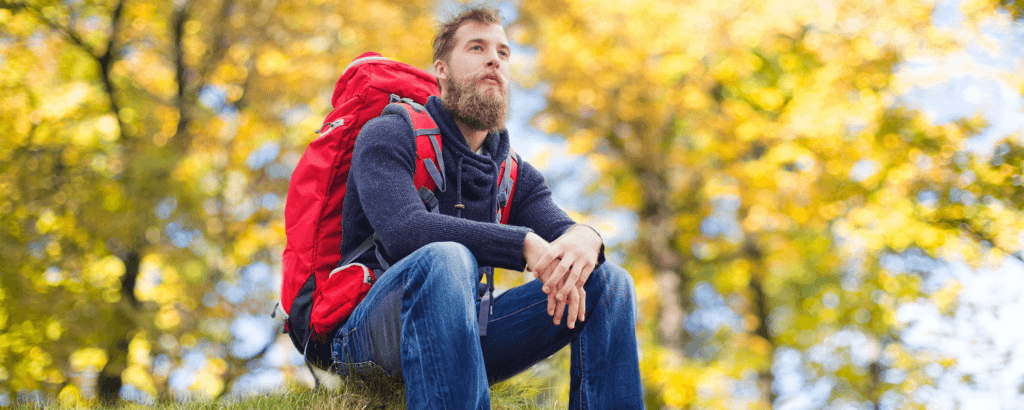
(333, 124)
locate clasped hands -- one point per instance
(564, 266)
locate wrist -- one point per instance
(530, 242)
(589, 235)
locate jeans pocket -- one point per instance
(352, 357)
(361, 369)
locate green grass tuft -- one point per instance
(375, 392)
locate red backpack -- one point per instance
(320, 288)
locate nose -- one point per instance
(493, 60)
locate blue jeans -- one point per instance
(419, 322)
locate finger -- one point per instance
(551, 305)
(551, 285)
(574, 308)
(533, 264)
(542, 264)
(570, 282)
(585, 274)
(545, 273)
(559, 311)
(583, 303)
(532, 267)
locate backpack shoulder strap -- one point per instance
(509, 172)
(429, 165)
(430, 172)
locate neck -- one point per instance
(474, 137)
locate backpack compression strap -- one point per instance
(509, 172)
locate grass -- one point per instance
(375, 393)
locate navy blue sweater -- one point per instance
(381, 196)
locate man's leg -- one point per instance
(605, 369)
(419, 321)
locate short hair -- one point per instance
(444, 41)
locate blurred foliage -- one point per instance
(1014, 7)
(976, 9)
(776, 177)
(145, 149)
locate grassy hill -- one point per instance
(377, 395)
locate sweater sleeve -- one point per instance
(383, 164)
(533, 207)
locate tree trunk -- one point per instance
(875, 389)
(109, 382)
(765, 377)
(656, 238)
(121, 327)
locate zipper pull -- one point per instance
(333, 124)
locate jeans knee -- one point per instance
(452, 256)
(446, 265)
(616, 286)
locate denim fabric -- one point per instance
(419, 323)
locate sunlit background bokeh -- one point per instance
(819, 200)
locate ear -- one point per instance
(441, 73)
(440, 70)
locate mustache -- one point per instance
(493, 75)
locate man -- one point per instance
(420, 319)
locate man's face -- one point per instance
(475, 80)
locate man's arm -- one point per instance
(383, 164)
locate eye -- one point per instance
(503, 53)
(477, 47)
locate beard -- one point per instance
(476, 109)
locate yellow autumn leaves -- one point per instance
(772, 135)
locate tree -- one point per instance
(775, 176)
(147, 147)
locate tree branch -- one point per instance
(65, 30)
(219, 41)
(966, 227)
(106, 62)
(181, 74)
(250, 67)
